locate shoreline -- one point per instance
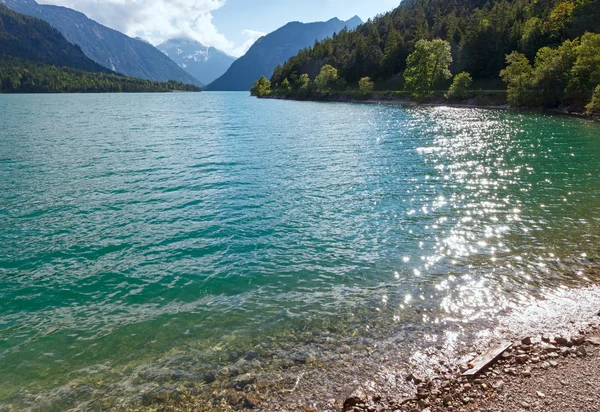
(564, 342)
(468, 104)
(528, 375)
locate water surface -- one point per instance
(167, 236)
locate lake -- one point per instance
(149, 240)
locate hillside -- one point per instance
(480, 32)
(33, 39)
(105, 46)
(204, 63)
(274, 49)
(36, 58)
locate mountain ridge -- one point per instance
(36, 58)
(274, 49)
(205, 63)
(33, 39)
(106, 46)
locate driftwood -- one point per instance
(488, 357)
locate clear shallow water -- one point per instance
(175, 234)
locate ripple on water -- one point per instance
(158, 240)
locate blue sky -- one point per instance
(268, 15)
(230, 25)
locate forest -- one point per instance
(23, 76)
(478, 37)
(36, 58)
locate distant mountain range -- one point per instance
(105, 46)
(203, 62)
(36, 58)
(275, 49)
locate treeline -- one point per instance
(30, 38)
(568, 75)
(480, 33)
(36, 58)
(23, 76)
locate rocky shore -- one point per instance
(544, 373)
(552, 365)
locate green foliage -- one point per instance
(326, 78)
(33, 39)
(429, 63)
(460, 87)
(518, 77)
(593, 108)
(286, 86)
(480, 32)
(22, 76)
(552, 72)
(545, 50)
(261, 88)
(36, 58)
(303, 82)
(366, 85)
(564, 74)
(585, 74)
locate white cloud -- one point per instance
(251, 37)
(159, 20)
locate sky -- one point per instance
(230, 25)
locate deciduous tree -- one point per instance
(326, 78)
(429, 63)
(517, 75)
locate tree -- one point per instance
(393, 49)
(261, 88)
(429, 63)
(366, 85)
(593, 109)
(285, 85)
(552, 72)
(459, 89)
(585, 74)
(326, 78)
(517, 75)
(532, 33)
(303, 82)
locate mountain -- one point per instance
(204, 63)
(480, 32)
(105, 46)
(33, 39)
(36, 58)
(274, 49)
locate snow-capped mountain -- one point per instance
(105, 46)
(204, 63)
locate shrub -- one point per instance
(326, 78)
(460, 87)
(303, 82)
(593, 109)
(366, 85)
(261, 88)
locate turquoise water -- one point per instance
(154, 235)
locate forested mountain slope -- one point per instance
(274, 49)
(36, 58)
(105, 46)
(33, 39)
(481, 33)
